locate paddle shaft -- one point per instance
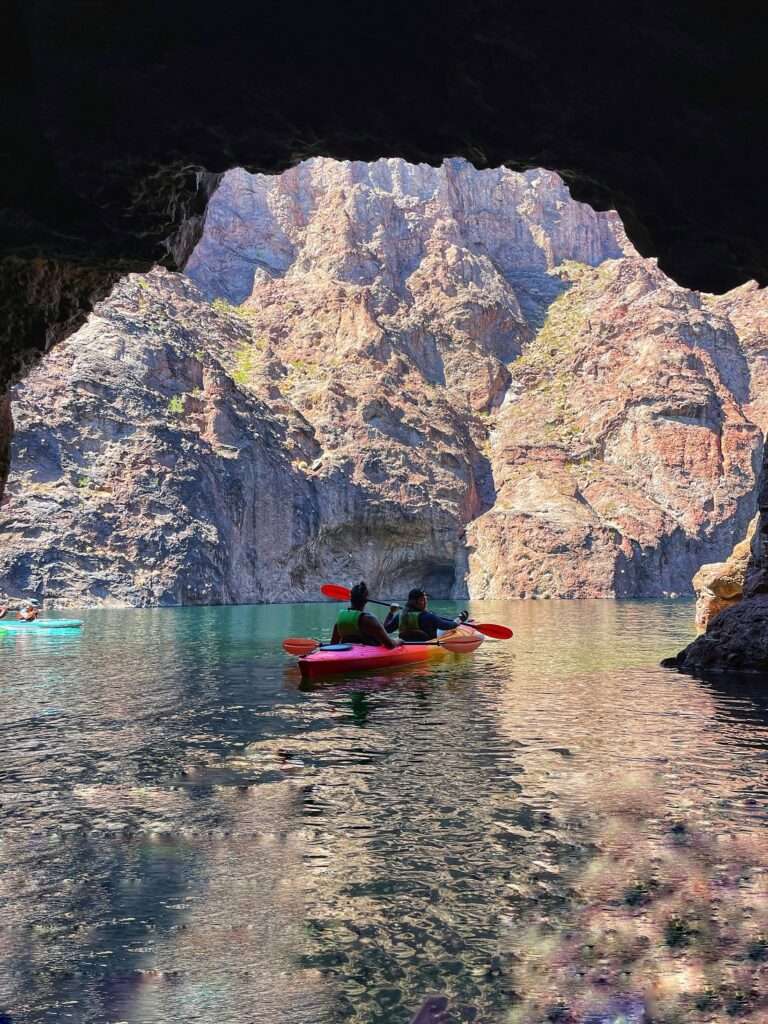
(339, 593)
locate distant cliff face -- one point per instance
(454, 377)
(621, 453)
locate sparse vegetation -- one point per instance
(245, 365)
(305, 367)
(300, 371)
(639, 892)
(679, 932)
(241, 312)
(176, 405)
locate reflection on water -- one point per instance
(552, 829)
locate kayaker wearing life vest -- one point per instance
(356, 626)
(414, 622)
(29, 610)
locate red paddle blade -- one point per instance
(336, 592)
(461, 644)
(491, 629)
(299, 646)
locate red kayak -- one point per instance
(362, 657)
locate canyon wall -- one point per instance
(733, 597)
(444, 376)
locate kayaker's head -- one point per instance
(417, 599)
(358, 596)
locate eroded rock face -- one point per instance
(337, 390)
(621, 454)
(747, 309)
(735, 640)
(736, 625)
(719, 585)
(157, 476)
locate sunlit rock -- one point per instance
(448, 377)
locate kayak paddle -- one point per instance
(491, 629)
(460, 644)
(301, 646)
(344, 593)
(339, 593)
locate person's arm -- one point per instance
(335, 638)
(432, 621)
(371, 626)
(392, 620)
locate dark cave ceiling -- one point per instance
(114, 108)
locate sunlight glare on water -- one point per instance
(551, 829)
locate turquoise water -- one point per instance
(551, 829)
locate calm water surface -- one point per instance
(552, 829)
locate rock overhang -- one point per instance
(121, 123)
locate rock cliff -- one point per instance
(158, 475)
(440, 375)
(720, 585)
(621, 453)
(736, 614)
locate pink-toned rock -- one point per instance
(443, 376)
(621, 454)
(734, 640)
(747, 309)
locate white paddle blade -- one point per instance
(461, 644)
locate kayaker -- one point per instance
(29, 610)
(414, 622)
(357, 626)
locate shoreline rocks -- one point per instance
(720, 585)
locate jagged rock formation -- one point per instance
(621, 453)
(158, 476)
(735, 639)
(458, 378)
(720, 585)
(747, 309)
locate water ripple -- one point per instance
(549, 830)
